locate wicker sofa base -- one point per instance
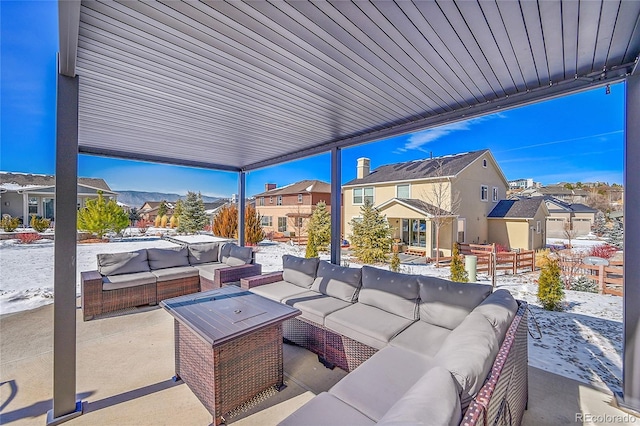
(344, 352)
(178, 287)
(306, 334)
(114, 300)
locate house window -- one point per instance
(484, 193)
(300, 198)
(298, 222)
(267, 221)
(261, 201)
(271, 200)
(538, 227)
(362, 195)
(495, 195)
(484, 163)
(279, 200)
(402, 191)
(282, 224)
(33, 205)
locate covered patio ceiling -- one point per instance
(243, 85)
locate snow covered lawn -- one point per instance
(584, 342)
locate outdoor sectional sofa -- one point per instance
(419, 350)
(147, 276)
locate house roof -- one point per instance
(419, 206)
(36, 180)
(420, 169)
(581, 208)
(521, 208)
(298, 187)
(554, 189)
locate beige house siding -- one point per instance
(514, 233)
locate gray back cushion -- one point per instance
(299, 271)
(390, 291)
(468, 353)
(160, 258)
(239, 256)
(225, 251)
(123, 263)
(203, 253)
(446, 303)
(499, 309)
(432, 401)
(338, 281)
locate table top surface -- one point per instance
(224, 314)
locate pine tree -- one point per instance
(599, 226)
(319, 230)
(100, 217)
(458, 273)
(162, 209)
(253, 232)
(134, 216)
(312, 250)
(178, 209)
(395, 262)
(193, 218)
(615, 235)
(550, 288)
(225, 224)
(371, 238)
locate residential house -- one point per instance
(561, 192)
(574, 216)
(458, 191)
(519, 223)
(286, 210)
(23, 195)
(523, 184)
(149, 210)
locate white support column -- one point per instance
(631, 357)
(336, 204)
(25, 209)
(65, 406)
(241, 207)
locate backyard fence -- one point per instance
(609, 278)
(515, 262)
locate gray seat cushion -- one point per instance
(499, 309)
(225, 251)
(239, 256)
(278, 291)
(380, 381)
(203, 253)
(390, 291)
(325, 409)
(432, 401)
(338, 281)
(123, 263)
(161, 258)
(208, 270)
(446, 303)
(175, 273)
(468, 353)
(366, 324)
(421, 337)
(315, 306)
(114, 282)
(299, 271)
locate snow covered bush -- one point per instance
(585, 284)
(604, 251)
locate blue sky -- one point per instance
(574, 138)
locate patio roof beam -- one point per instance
(517, 100)
(153, 159)
(68, 27)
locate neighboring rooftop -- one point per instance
(521, 208)
(35, 180)
(299, 187)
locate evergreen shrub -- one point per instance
(458, 273)
(9, 224)
(550, 288)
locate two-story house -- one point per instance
(286, 210)
(455, 193)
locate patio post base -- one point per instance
(53, 421)
(618, 402)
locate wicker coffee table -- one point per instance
(228, 345)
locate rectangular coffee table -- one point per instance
(228, 345)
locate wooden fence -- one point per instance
(609, 278)
(522, 261)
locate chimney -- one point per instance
(364, 167)
(269, 186)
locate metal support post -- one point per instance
(242, 189)
(336, 204)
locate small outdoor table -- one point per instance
(228, 345)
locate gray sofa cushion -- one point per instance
(299, 271)
(278, 291)
(380, 381)
(208, 270)
(326, 409)
(446, 303)
(239, 256)
(390, 291)
(225, 250)
(366, 324)
(315, 306)
(123, 263)
(114, 282)
(161, 258)
(175, 273)
(422, 338)
(203, 253)
(432, 401)
(468, 353)
(338, 281)
(499, 309)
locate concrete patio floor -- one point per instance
(125, 365)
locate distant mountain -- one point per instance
(138, 198)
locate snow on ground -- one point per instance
(584, 342)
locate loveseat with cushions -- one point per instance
(419, 350)
(148, 276)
